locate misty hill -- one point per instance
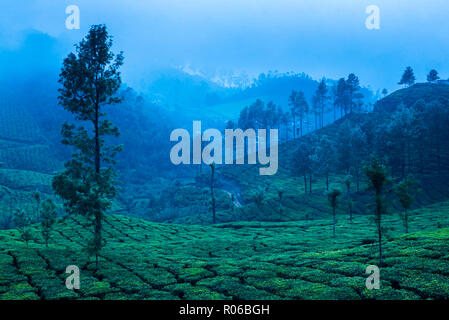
(195, 97)
(426, 91)
(429, 163)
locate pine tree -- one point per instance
(320, 100)
(90, 79)
(326, 152)
(432, 76)
(408, 78)
(341, 98)
(354, 97)
(292, 102)
(48, 217)
(378, 178)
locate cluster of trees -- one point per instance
(319, 155)
(45, 212)
(413, 139)
(380, 182)
(408, 77)
(345, 96)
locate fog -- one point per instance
(220, 39)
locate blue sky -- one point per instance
(318, 37)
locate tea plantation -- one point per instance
(244, 260)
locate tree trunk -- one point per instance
(349, 205)
(327, 180)
(406, 220)
(334, 220)
(380, 246)
(97, 228)
(305, 183)
(310, 182)
(280, 209)
(294, 127)
(379, 226)
(322, 116)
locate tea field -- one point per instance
(241, 260)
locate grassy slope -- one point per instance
(252, 260)
(408, 96)
(26, 160)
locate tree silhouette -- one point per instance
(378, 178)
(332, 197)
(406, 191)
(90, 79)
(408, 78)
(432, 76)
(49, 214)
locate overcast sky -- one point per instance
(318, 37)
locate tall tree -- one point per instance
(378, 179)
(326, 157)
(280, 196)
(300, 108)
(406, 191)
(332, 197)
(432, 76)
(292, 102)
(398, 136)
(320, 101)
(49, 214)
(351, 149)
(341, 97)
(90, 78)
(354, 97)
(436, 119)
(347, 181)
(301, 161)
(408, 77)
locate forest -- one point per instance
(86, 180)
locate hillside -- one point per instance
(300, 260)
(246, 183)
(26, 162)
(408, 96)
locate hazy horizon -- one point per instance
(215, 39)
